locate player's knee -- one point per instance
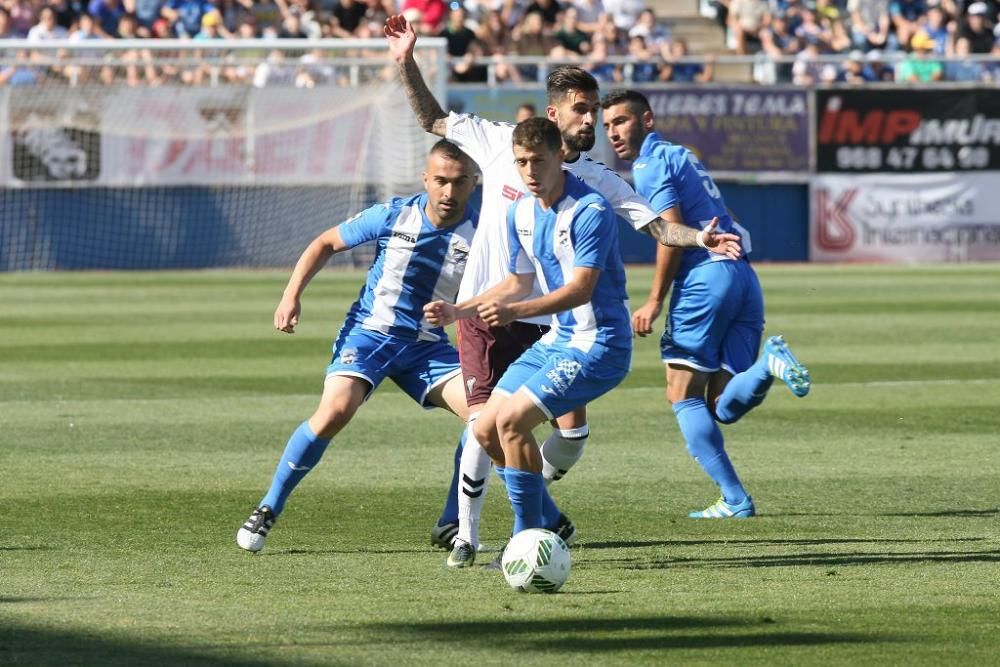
(484, 432)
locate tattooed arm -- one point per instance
(402, 37)
(669, 229)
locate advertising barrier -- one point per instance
(906, 218)
(906, 131)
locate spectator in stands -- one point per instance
(291, 27)
(84, 31)
(853, 71)
(427, 16)
(525, 111)
(235, 13)
(906, 16)
(549, 9)
(458, 35)
(975, 31)
(811, 30)
(275, 71)
(777, 41)
(308, 15)
(144, 11)
(876, 67)
(184, 16)
(107, 14)
(962, 69)
(47, 28)
(589, 13)
(645, 65)
(19, 73)
(570, 39)
(840, 38)
(529, 39)
(315, 71)
(918, 66)
(937, 27)
(495, 41)
(68, 12)
(345, 18)
(6, 32)
(870, 23)
(807, 70)
(625, 13)
(22, 17)
(267, 17)
(686, 72)
(746, 19)
(597, 62)
(656, 35)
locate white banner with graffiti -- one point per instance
(905, 218)
(79, 137)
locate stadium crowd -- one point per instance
(616, 40)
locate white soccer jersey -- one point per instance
(489, 144)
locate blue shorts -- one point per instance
(416, 366)
(560, 379)
(716, 318)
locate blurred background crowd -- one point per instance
(816, 41)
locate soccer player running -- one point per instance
(716, 316)
(486, 351)
(422, 245)
(563, 237)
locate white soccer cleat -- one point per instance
(254, 532)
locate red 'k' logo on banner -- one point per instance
(512, 193)
(834, 230)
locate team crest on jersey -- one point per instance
(459, 250)
(562, 375)
(511, 193)
(562, 237)
(348, 356)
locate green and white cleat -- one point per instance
(723, 510)
(784, 366)
(462, 554)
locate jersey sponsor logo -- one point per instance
(511, 193)
(549, 390)
(409, 238)
(523, 231)
(563, 374)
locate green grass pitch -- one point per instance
(141, 416)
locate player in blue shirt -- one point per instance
(422, 245)
(564, 236)
(716, 316)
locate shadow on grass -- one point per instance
(42, 647)
(951, 513)
(802, 559)
(595, 635)
(765, 542)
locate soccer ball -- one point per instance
(536, 561)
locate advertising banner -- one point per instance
(207, 136)
(905, 218)
(736, 128)
(906, 131)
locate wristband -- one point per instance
(700, 239)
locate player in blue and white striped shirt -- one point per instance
(422, 245)
(563, 238)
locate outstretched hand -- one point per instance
(402, 37)
(721, 243)
(439, 313)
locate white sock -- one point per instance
(474, 477)
(562, 450)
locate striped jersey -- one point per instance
(415, 263)
(669, 175)
(579, 230)
(489, 144)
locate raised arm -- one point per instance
(402, 37)
(313, 258)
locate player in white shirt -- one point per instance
(487, 351)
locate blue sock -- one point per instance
(550, 511)
(450, 512)
(704, 442)
(302, 453)
(525, 492)
(501, 473)
(744, 392)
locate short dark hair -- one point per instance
(636, 101)
(528, 106)
(565, 78)
(451, 151)
(537, 132)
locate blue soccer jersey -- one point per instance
(669, 175)
(415, 263)
(580, 230)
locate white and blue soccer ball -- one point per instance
(536, 561)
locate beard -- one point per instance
(579, 142)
